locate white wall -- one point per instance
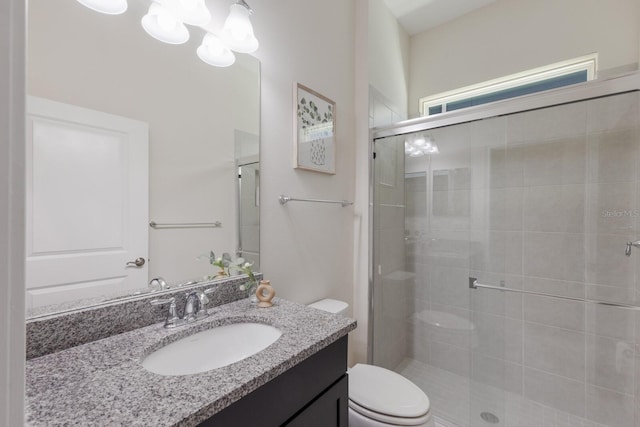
(359, 338)
(12, 353)
(510, 36)
(388, 60)
(306, 248)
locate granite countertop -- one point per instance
(104, 383)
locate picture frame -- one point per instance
(315, 130)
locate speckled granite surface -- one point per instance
(56, 332)
(103, 382)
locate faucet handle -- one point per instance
(192, 307)
(172, 315)
(204, 300)
(158, 282)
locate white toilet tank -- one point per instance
(331, 305)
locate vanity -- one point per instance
(84, 366)
(299, 380)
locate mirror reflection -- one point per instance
(125, 131)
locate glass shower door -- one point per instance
(538, 202)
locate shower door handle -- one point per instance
(631, 244)
(473, 284)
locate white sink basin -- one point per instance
(211, 349)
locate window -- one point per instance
(552, 76)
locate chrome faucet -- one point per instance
(195, 308)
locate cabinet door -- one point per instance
(289, 395)
(330, 409)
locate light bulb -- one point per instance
(162, 25)
(192, 12)
(110, 7)
(238, 31)
(189, 5)
(214, 52)
(167, 22)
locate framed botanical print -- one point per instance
(315, 141)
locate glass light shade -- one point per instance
(110, 7)
(214, 52)
(161, 24)
(192, 12)
(237, 32)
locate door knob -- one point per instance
(139, 262)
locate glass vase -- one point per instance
(251, 287)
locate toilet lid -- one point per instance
(387, 419)
(385, 392)
(330, 305)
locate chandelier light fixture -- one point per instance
(166, 21)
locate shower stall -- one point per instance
(502, 283)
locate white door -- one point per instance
(87, 203)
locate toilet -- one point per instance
(379, 397)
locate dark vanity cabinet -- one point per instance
(313, 393)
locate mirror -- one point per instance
(203, 135)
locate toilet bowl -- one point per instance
(379, 397)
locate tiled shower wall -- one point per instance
(542, 201)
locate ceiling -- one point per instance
(417, 16)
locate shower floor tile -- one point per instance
(457, 401)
